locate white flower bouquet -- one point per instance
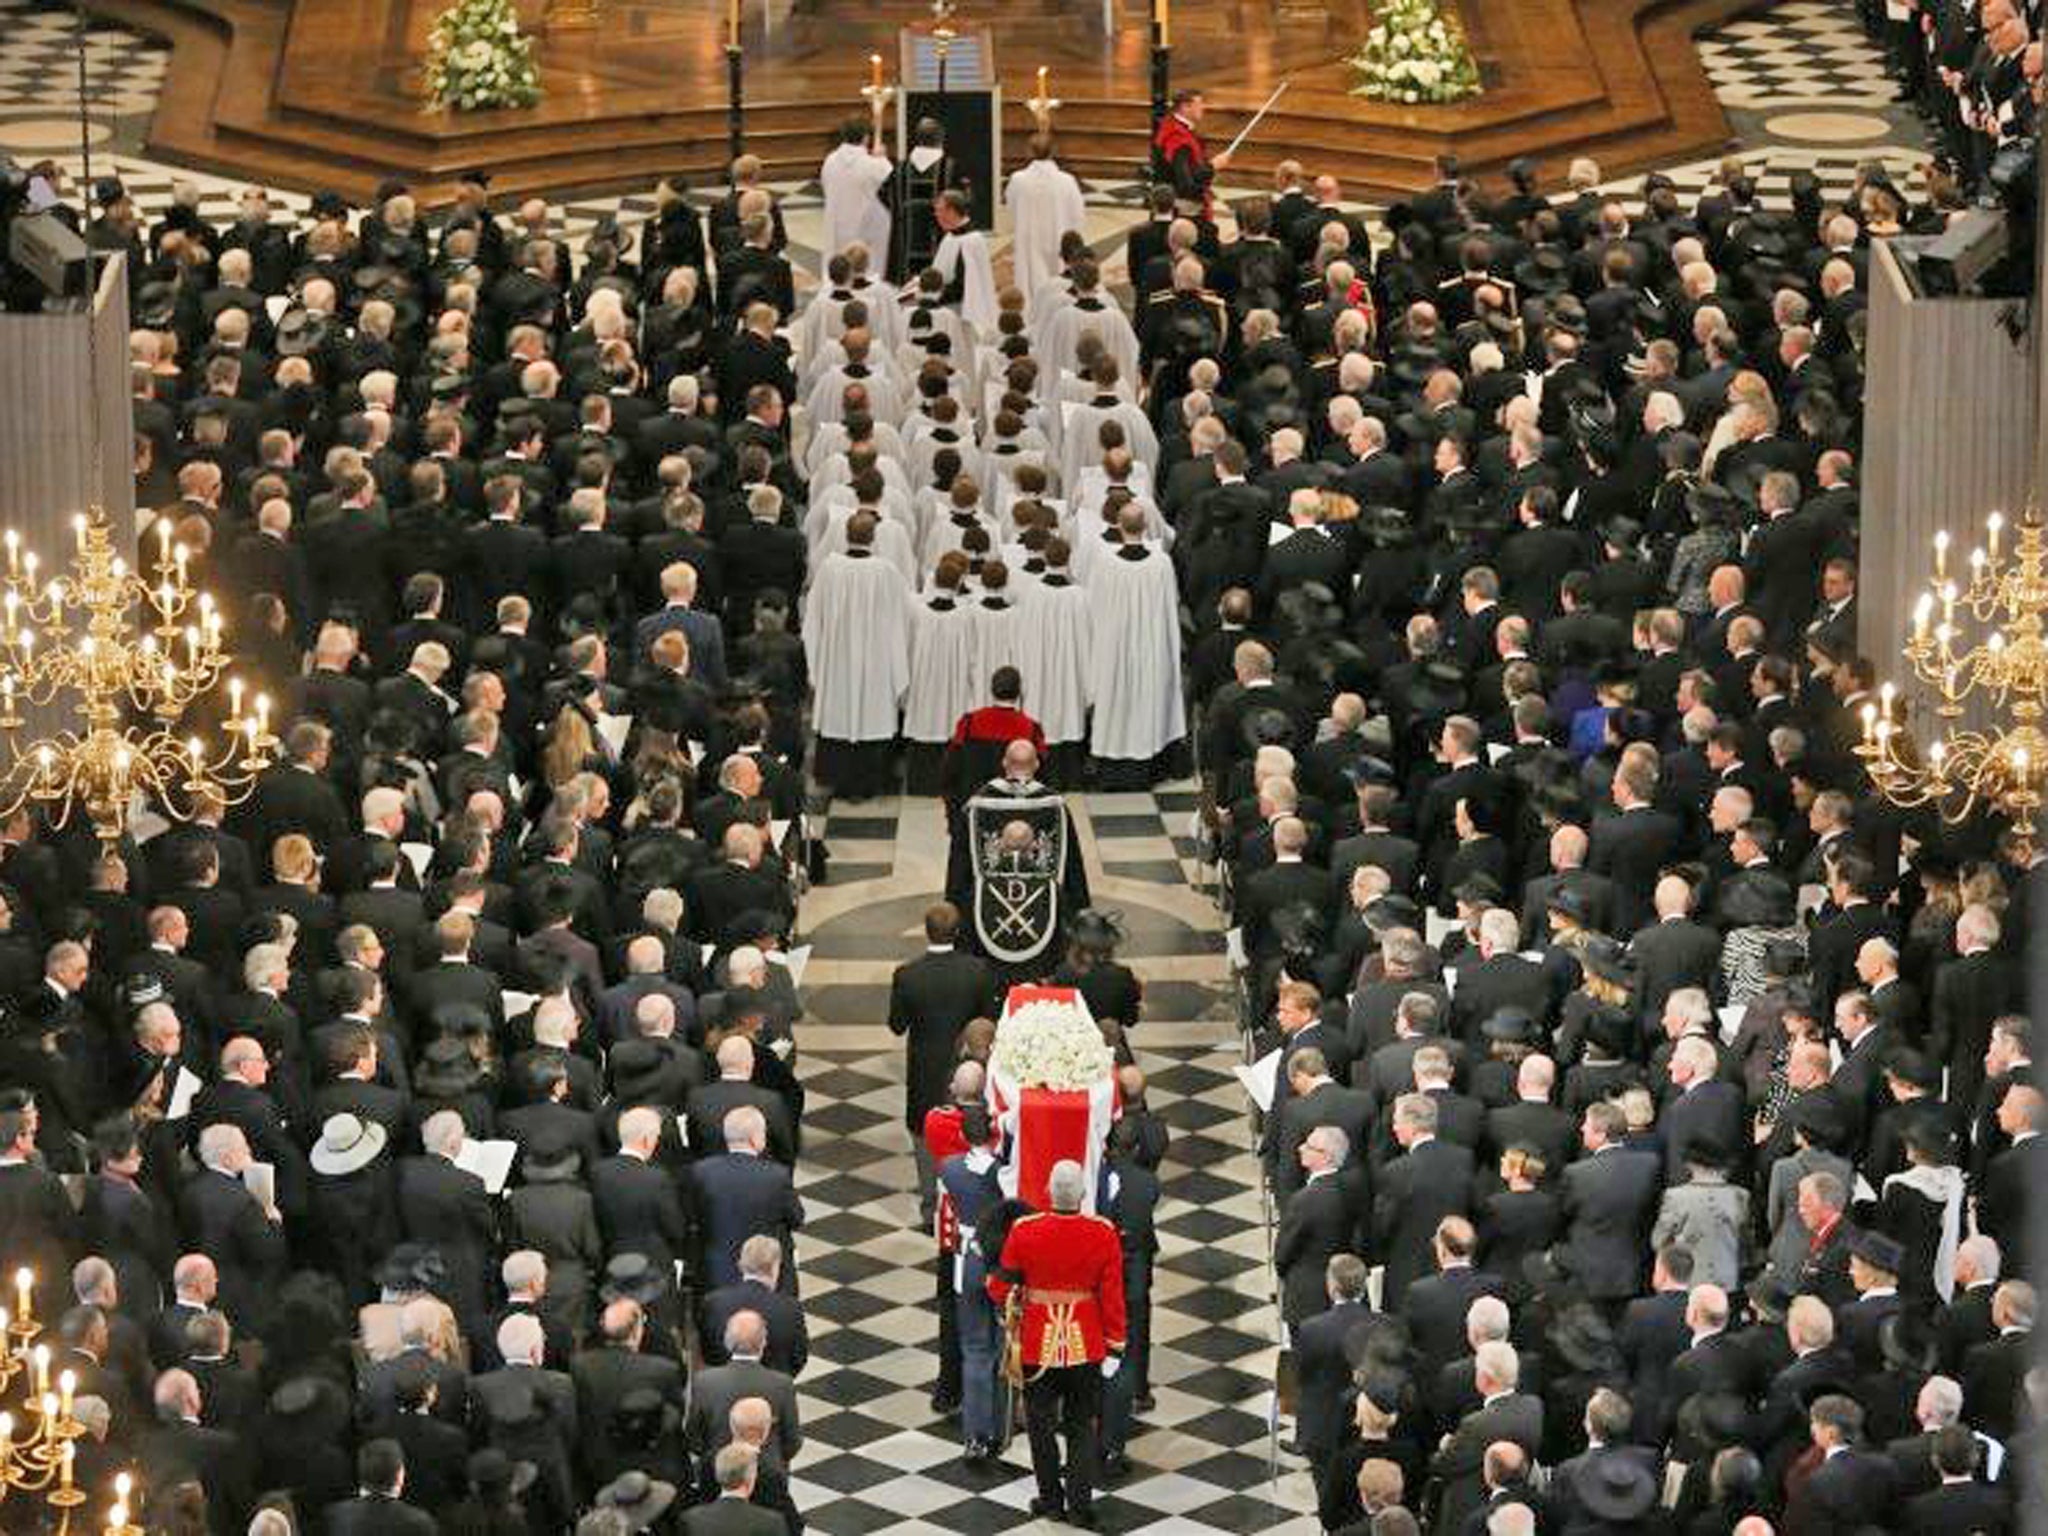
(1053, 1045)
(477, 58)
(1415, 54)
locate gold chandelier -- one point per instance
(2000, 768)
(133, 655)
(37, 1453)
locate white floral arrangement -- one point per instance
(1048, 1044)
(1416, 54)
(477, 58)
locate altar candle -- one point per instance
(875, 70)
(1044, 75)
(732, 23)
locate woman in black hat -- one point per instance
(552, 1212)
(494, 1506)
(1758, 908)
(1111, 990)
(450, 1076)
(1922, 1207)
(1580, 1356)
(1606, 991)
(1386, 1424)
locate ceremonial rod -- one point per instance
(1246, 131)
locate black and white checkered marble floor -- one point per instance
(876, 1458)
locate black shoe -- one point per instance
(1115, 1467)
(1292, 1448)
(1041, 1510)
(1144, 1402)
(1085, 1519)
(945, 1404)
(976, 1453)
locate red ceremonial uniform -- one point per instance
(1180, 156)
(1072, 1287)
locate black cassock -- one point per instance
(918, 179)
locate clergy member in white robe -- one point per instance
(943, 682)
(1134, 683)
(963, 262)
(1056, 664)
(852, 178)
(856, 635)
(999, 639)
(1089, 313)
(1044, 202)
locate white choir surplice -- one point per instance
(998, 634)
(978, 285)
(1059, 341)
(1055, 665)
(856, 638)
(892, 543)
(852, 179)
(1081, 435)
(942, 676)
(1134, 656)
(1045, 202)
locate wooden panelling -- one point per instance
(1949, 437)
(48, 468)
(326, 93)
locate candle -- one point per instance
(1043, 75)
(195, 751)
(2019, 764)
(117, 1517)
(875, 70)
(6, 1436)
(1936, 754)
(24, 1288)
(66, 1385)
(1996, 526)
(78, 527)
(13, 550)
(64, 1466)
(263, 710)
(732, 24)
(42, 1359)
(1941, 554)
(234, 698)
(1869, 722)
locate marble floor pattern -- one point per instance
(875, 1457)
